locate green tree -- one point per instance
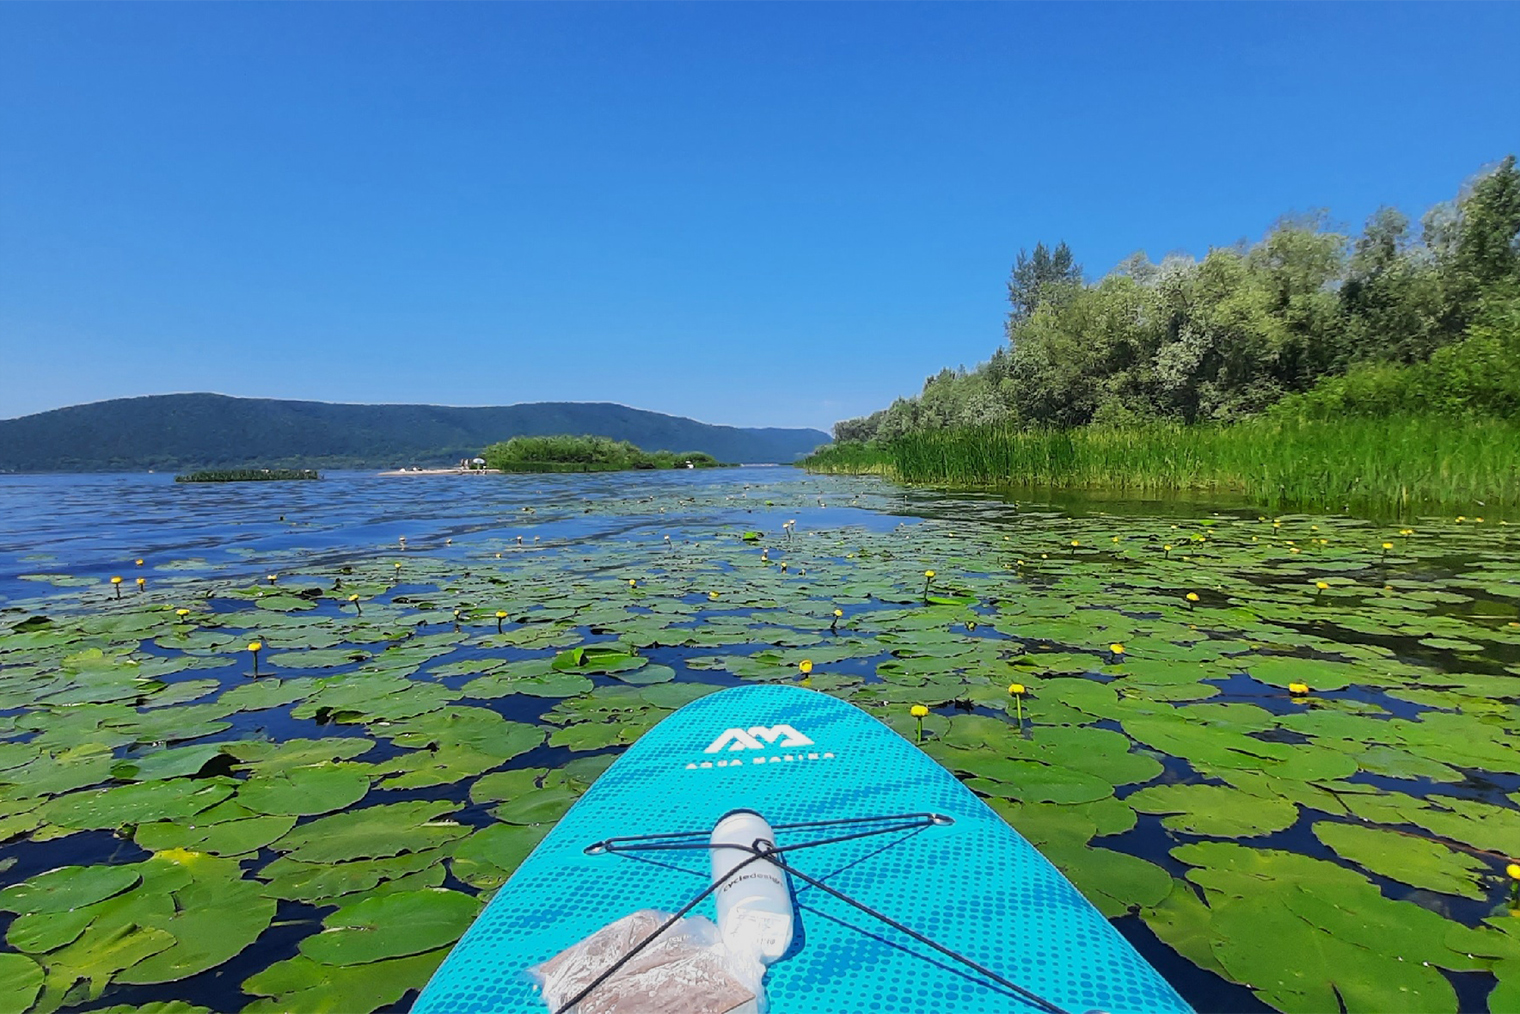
(1299, 265)
(1391, 295)
(1089, 355)
(1041, 277)
(1476, 243)
(1488, 243)
(1229, 336)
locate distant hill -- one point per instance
(175, 431)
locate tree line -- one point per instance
(568, 453)
(1308, 322)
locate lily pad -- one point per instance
(67, 888)
(645, 675)
(1418, 862)
(320, 883)
(604, 658)
(172, 763)
(305, 791)
(269, 758)
(20, 981)
(133, 804)
(1033, 782)
(536, 807)
(487, 858)
(391, 926)
(1184, 922)
(302, 984)
(1214, 810)
(222, 838)
(268, 692)
(215, 918)
(1115, 882)
(1325, 972)
(373, 832)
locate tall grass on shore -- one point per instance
(1392, 462)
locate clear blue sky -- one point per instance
(748, 214)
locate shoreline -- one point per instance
(439, 471)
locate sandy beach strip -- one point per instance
(441, 471)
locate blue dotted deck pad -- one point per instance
(793, 755)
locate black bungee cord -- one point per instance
(761, 849)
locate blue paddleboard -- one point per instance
(971, 884)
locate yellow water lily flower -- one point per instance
(1017, 690)
(806, 666)
(918, 711)
(1298, 688)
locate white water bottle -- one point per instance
(754, 905)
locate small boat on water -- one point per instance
(907, 893)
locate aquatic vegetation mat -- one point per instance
(290, 781)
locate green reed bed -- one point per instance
(850, 458)
(1393, 462)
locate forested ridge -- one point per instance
(210, 430)
(1307, 323)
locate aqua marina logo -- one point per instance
(758, 737)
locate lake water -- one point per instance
(410, 728)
